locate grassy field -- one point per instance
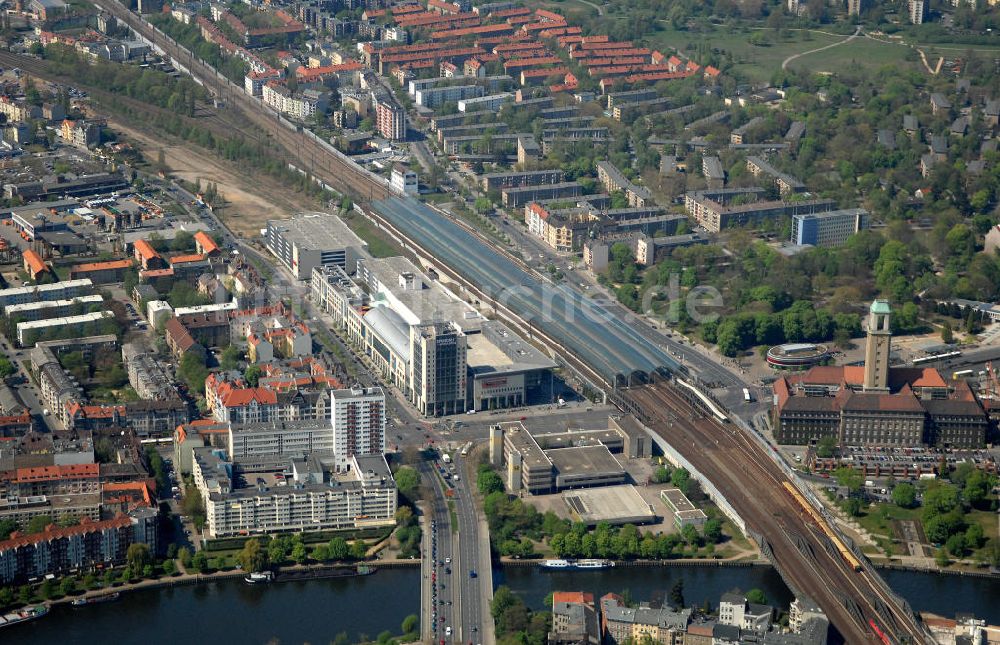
(759, 63)
(868, 53)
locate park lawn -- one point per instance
(986, 519)
(876, 518)
(866, 52)
(756, 62)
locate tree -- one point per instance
(358, 550)
(252, 375)
(169, 568)
(252, 557)
(712, 531)
(826, 446)
(199, 562)
(192, 371)
(408, 482)
(6, 597)
(904, 495)
(489, 482)
(681, 478)
(230, 358)
(677, 594)
(849, 478)
(138, 556)
(6, 368)
(299, 553)
(67, 586)
(339, 549)
(7, 526)
(947, 336)
(757, 596)
(38, 523)
(942, 558)
(47, 590)
(184, 555)
(661, 475)
(690, 534)
(853, 506)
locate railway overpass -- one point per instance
(612, 352)
(753, 483)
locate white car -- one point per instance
(447, 631)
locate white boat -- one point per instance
(259, 578)
(594, 564)
(557, 564)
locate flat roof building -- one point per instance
(832, 228)
(27, 332)
(683, 510)
(612, 504)
(309, 240)
(54, 291)
(45, 309)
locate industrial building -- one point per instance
(877, 405)
(569, 460)
(309, 240)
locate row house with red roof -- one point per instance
(61, 549)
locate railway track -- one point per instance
(754, 486)
(300, 148)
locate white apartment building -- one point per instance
(358, 420)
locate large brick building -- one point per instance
(875, 405)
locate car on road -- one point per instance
(473, 574)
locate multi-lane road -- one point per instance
(734, 462)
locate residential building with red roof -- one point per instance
(34, 265)
(146, 255)
(205, 245)
(102, 272)
(59, 549)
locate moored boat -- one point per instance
(594, 564)
(557, 564)
(258, 578)
(96, 600)
(23, 615)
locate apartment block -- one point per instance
(613, 180)
(832, 228)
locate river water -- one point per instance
(230, 612)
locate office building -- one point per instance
(309, 240)
(832, 228)
(404, 180)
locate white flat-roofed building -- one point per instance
(298, 495)
(293, 439)
(491, 102)
(206, 309)
(313, 239)
(56, 291)
(44, 309)
(27, 332)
